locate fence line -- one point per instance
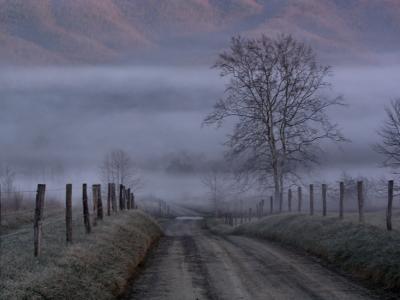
(88, 222)
(246, 215)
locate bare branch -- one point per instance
(275, 94)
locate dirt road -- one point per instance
(191, 263)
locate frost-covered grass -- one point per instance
(376, 218)
(96, 266)
(19, 219)
(366, 251)
(217, 226)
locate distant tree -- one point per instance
(118, 167)
(275, 96)
(389, 146)
(374, 190)
(8, 177)
(215, 182)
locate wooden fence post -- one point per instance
(311, 199)
(360, 197)
(299, 198)
(324, 200)
(121, 188)
(109, 191)
(113, 198)
(37, 227)
(86, 214)
(68, 212)
(100, 213)
(341, 200)
(124, 198)
(0, 211)
(133, 201)
(128, 199)
(290, 200)
(389, 207)
(94, 199)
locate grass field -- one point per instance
(96, 266)
(16, 220)
(367, 251)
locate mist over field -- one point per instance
(78, 79)
(200, 149)
(57, 123)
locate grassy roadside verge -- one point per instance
(366, 252)
(96, 266)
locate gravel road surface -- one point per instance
(192, 263)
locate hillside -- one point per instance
(94, 31)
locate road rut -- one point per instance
(191, 263)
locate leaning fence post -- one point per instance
(37, 227)
(299, 198)
(311, 199)
(290, 200)
(324, 200)
(100, 213)
(86, 214)
(341, 199)
(389, 207)
(360, 197)
(68, 212)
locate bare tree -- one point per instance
(275, 95)
(389, 146)
(216, 184)
(8, 188)
(374, 190)
(118, 167)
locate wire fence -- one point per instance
(362, 201)
(94, 205)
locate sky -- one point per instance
(57, 123)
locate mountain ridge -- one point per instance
(101, 31)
